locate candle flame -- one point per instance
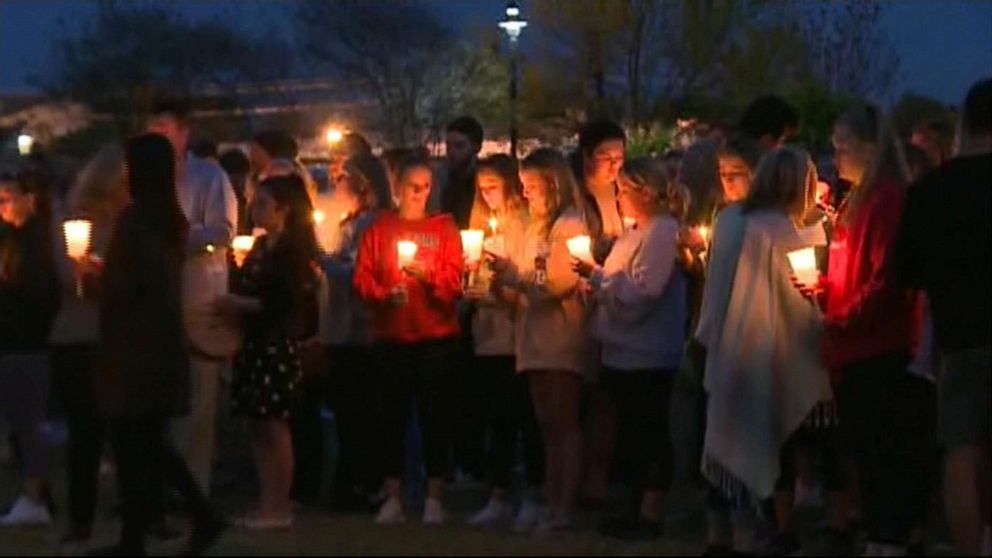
(318, 216)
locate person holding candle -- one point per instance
(763, 377)
(871, 322)
(550, 337)
(211, 208)
(598, 160)
(943, 249)
(29, 301)
(639, 318)
(98, 194)
(415, 329)
(275, 297)
(504, 394)
(345, 330)
(142, 364)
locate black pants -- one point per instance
(308, 440)
(73, 369)
(421, 371)
(350, 390)
(823, 444)
(508, 416)
(145, 460)
(469, 431)
(888, 424)
(644, 440)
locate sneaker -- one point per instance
(528, 517)
(391, 512)
(433, 512)
(494, 513)
(26, 513)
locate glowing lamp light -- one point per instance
(803, 263)
(405, 252)
(580, 247)
(24, 144)
(472, 244)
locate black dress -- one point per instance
(268, 368)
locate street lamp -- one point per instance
(513, 25)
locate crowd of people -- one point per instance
(831, 332)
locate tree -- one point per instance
(390, 50)
(128, 51)
(475, 82)
(849, 51)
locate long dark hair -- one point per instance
(297, 246)
(150, 172)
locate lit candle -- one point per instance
(581, 247)
(803, 263)
(77, 242)
(405, 252)
(472, 245)
(241, 245)
(704, 232)
(318, 216)
(629, 223)
(493, 225)
(77, 237)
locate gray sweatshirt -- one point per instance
(641, 306)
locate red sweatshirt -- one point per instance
(867, 313)
(431, 312)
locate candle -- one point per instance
(704, 232)
(629, 223)
(241, 246)
(77, 242)
(580, 247)
(472, 245)
(318, 216)
(405, 252)
(803, 263)
(77, 237)
(493, 225)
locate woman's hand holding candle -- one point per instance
(583, 268)
(398, 295)
(416, 269)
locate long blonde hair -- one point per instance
(507, 169)
(557, 173)
(782, 182)
(867, 124)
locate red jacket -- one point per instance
(431, 311)
(867, 313)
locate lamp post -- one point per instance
(513, 25)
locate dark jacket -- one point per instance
(29, 287)
(142, 360)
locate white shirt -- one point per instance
(208, 202)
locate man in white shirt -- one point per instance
(209, 204)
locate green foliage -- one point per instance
(818, 109)
(649, 141)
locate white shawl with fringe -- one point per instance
(763, 370)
